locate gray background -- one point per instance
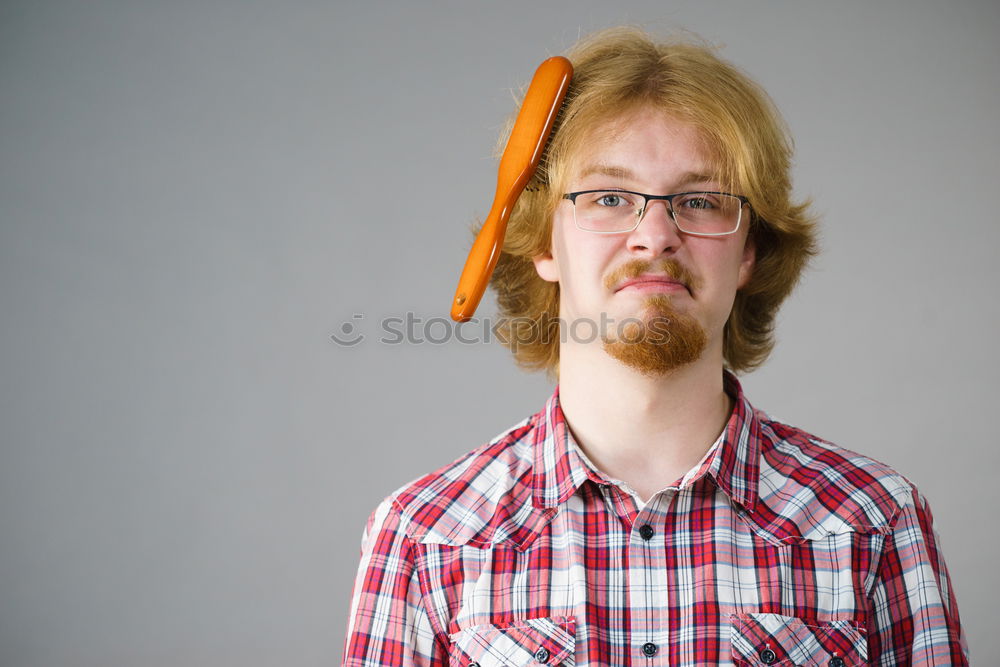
(195, 196)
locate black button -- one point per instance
(767, 656)
(649, 648)
(542, 655)
(836, 661)
(473, 664)
(646, 531)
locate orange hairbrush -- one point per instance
(517, 164)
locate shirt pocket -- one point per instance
(536, 641)
(783, 641)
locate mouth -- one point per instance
(653, 283)
(667, 276)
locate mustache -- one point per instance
(637, 267)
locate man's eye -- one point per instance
(611, 199)
(698, 201)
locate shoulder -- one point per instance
(812, 488)
(482, 498)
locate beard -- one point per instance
(663, 339)
(659, 342)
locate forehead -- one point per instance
(646, 146)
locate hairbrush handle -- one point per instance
(517, 164)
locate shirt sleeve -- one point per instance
(914, 609)
(389, 624)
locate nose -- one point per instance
(657, 233)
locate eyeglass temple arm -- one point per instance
(517, 165)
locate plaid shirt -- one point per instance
(778, 548)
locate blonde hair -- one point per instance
(622, 70)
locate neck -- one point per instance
(647, 432)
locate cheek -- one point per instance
(585, 262)
(583, 257)
(723, 270)
(734, 261)
(569, 249)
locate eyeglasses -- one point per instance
(696, 213)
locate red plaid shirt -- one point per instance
(778, 548)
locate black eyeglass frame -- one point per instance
(670, 207)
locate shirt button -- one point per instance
(836, 661)
(646, 531)
(473, 664)
(767, 656)
(542, 655)
(649, 648)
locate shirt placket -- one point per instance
(648, 578)
(647, 599)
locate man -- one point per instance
(648, 514)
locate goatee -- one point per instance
(663, 339)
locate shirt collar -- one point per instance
(559, 468)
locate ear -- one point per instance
(547, 267)
(747, 262)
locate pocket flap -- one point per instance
(535, 641)
(772, 639)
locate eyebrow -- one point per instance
(626, 174)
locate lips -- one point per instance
(662, 276)
(651, 281)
